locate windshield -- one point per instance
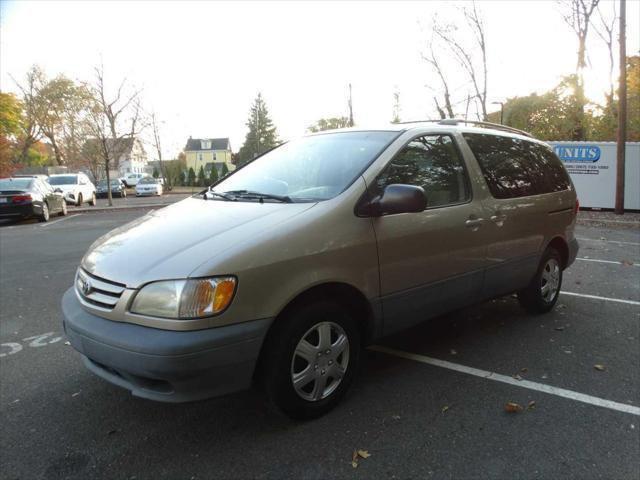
(63, 180)
(114, 183)
(144, 181)
(15, 183)
(310, 168)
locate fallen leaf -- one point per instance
(445, 408)
(395, 417)
(627, 263)
(517, 376)
(75, 394)
(560, 306)
(363, 454)
(67, 343)
(524, 370)
(354, 459)
(513, 407)
(532, 405)
(597, 366)
(453, 352)
(559, 328)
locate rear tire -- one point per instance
(92, 202)
(541, 295)
(44, 216)
(319, 345)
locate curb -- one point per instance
(111, 209)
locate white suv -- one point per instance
(132, 179)
(76, 187)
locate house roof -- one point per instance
(216, 144)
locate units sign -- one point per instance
(578, 153)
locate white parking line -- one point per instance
(539, 387)
(596, 297)
(607, 241)
(62, 219)
(607, 261)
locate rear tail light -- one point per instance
(21, 199)
(575, 212)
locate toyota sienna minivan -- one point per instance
(280, 273)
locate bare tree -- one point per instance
(471, 58)
(395, 114)
(114, 121)
(605, 29)
(31, 131)
(432, 60)
(577, 14)
(156, 143)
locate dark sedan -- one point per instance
(117, 188)
(29, 197)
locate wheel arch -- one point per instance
(560, 244)
(348, 296)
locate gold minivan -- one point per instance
(280, 273)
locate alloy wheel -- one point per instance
(320, 361)
(550, 280)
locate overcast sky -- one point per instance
(201, 64)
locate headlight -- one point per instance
(184, 299)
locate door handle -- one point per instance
(473, 222)
(498, 217)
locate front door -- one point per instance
(431, 261)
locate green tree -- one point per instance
(605, 125)
(10, 128)
(554, 115)
(213, 175)
(191, 177)
(225, 170)
(262, 134)
(201, 177)
(156, 174)
(332, 123)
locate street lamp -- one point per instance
(501, 111)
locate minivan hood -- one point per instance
(170, 243)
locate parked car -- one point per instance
(132, 179)
(148, 186)
(25, 197)
(118, 189)
(34, 175)
(296, 261)
(76, 187)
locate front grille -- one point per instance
(98, 291)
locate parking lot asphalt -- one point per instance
(429, 403)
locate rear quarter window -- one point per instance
(513, 167)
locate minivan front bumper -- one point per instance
(164, 365)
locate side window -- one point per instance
(546, 169)
(504, 164)
(44, 187)
(433, 163)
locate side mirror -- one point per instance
(399, 198)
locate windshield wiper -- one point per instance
(218, 194)
(260, 196)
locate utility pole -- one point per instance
(350, 108)
(501, 111)
(622, 112)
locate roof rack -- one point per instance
(456, 121)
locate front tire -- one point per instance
(79, 202)
(311, 356)
(541, 295)
(64, 211)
